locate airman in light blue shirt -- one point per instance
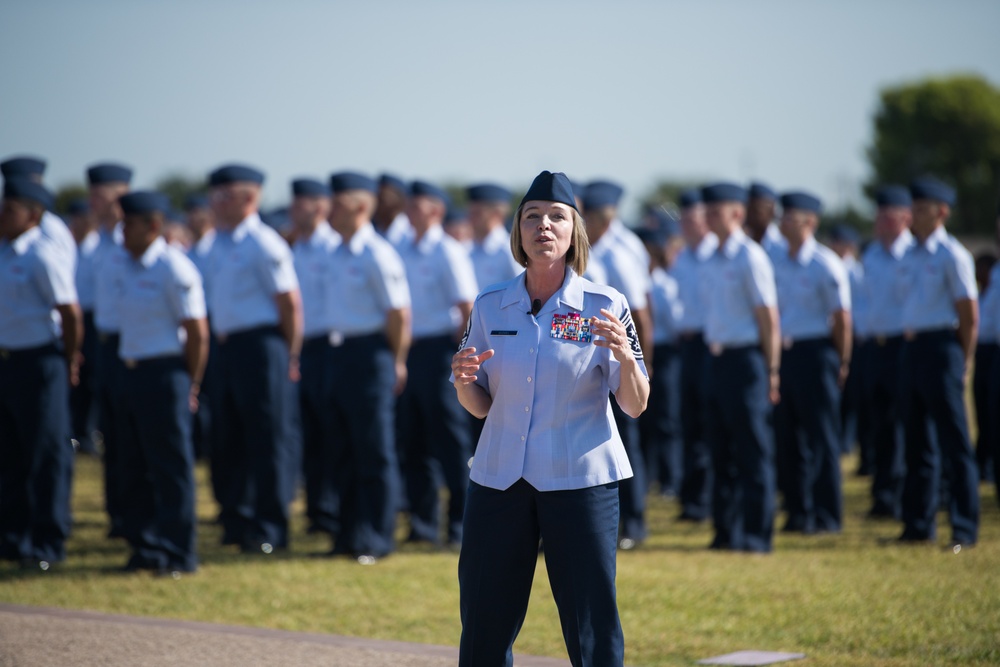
(760, 225)
(885, 282)
(687, 271)
(314, 241)
(812, 286)
(939, 272)
(489, 206)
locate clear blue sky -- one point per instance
(468, 91)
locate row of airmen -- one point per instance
(348, 338)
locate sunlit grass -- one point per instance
(846, 599)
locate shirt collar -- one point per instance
(569, 295)
(248, 224)
(22, 243)
(320, 236)
(360, 238)
(707, 246)
(495, 240)
(902, 243)
(733, 243)
(430, 239)
(806, 252)
(153, 252)
(936, 238)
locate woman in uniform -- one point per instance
(539, 358)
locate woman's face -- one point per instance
(546, 231)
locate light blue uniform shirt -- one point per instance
(940, 271)
(687, 271)
(367, 280)
(440, 275)
(162, 289)
(248, 267)
(86, 266)
(811, 287)
(199, 252)
(885, 284)
(626, 237)
(313, 267)
(989, 308)
(550, 421)
(737, 279)
(34, 279)
(666, 306)
(774, 243)
(492, 259)
(109, 260)
(398, 231)
(623, 268)
(56, 230)
(859, 297)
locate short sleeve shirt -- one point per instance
(939, 272)
(737, 279)
(812, 286)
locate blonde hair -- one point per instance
(579, 246)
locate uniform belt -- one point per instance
(255, 331)
(132, 364)
(690, 335)
(718, 349)
(789, 343)
(7, 353)
(930, 334)
(882, 341)
(108, 336)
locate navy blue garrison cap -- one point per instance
(425, 189)
(844, 234)
(393, 181)
(22, 165)
(144, 201)
(666, 224)
(690, 197)
(601, 193)
(488, 193)
(549, 186)
(78, 206)
(928, 187)
(655, 236)
(108, 172)
(723, 192)
(760, 190)
(191, 202)
(27, 190)
(893, 195)
(345, 181)
(309, 187)
(802, 201)
(235, 173)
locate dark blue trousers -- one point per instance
(83, 397)
(109, 399)
(363, 447)
(36, 456)
(317, 431)
(201, 420)
(807, 436)
(254, 405)
(986, 354)
(659, 425)
(994, 419)
(157, 460)
(883, 395)
(497, 565)
(855, 423)
(742, 442)
(933, 410)
(632, 491)
(433, 431)
(696, 487)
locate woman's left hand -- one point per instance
(613, 335)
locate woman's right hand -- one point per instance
(465, 364)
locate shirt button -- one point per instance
(522, 438)
(529, 378)
(531, 350)
(527, 408)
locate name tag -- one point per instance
(571, 327)
(503, 332)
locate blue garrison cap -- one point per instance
(690, 197)
(601, 193)
(425, 189)
(893, 195)
(235, 173)
(844, 234)
(108, 172)
(929, 187)
(191, 202)
(549, 186)
(78, 206)
(488, 193)
(351, 180)
(802, 201)
(24, 189)
(455, 214)
(666, 223)
(655, 236)
(723, 192)
(309, 187)
(393, 181)
(144, 201)
(22, 165)
(760, 190)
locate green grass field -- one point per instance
(847, 599)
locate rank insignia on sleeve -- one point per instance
(571, 327)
